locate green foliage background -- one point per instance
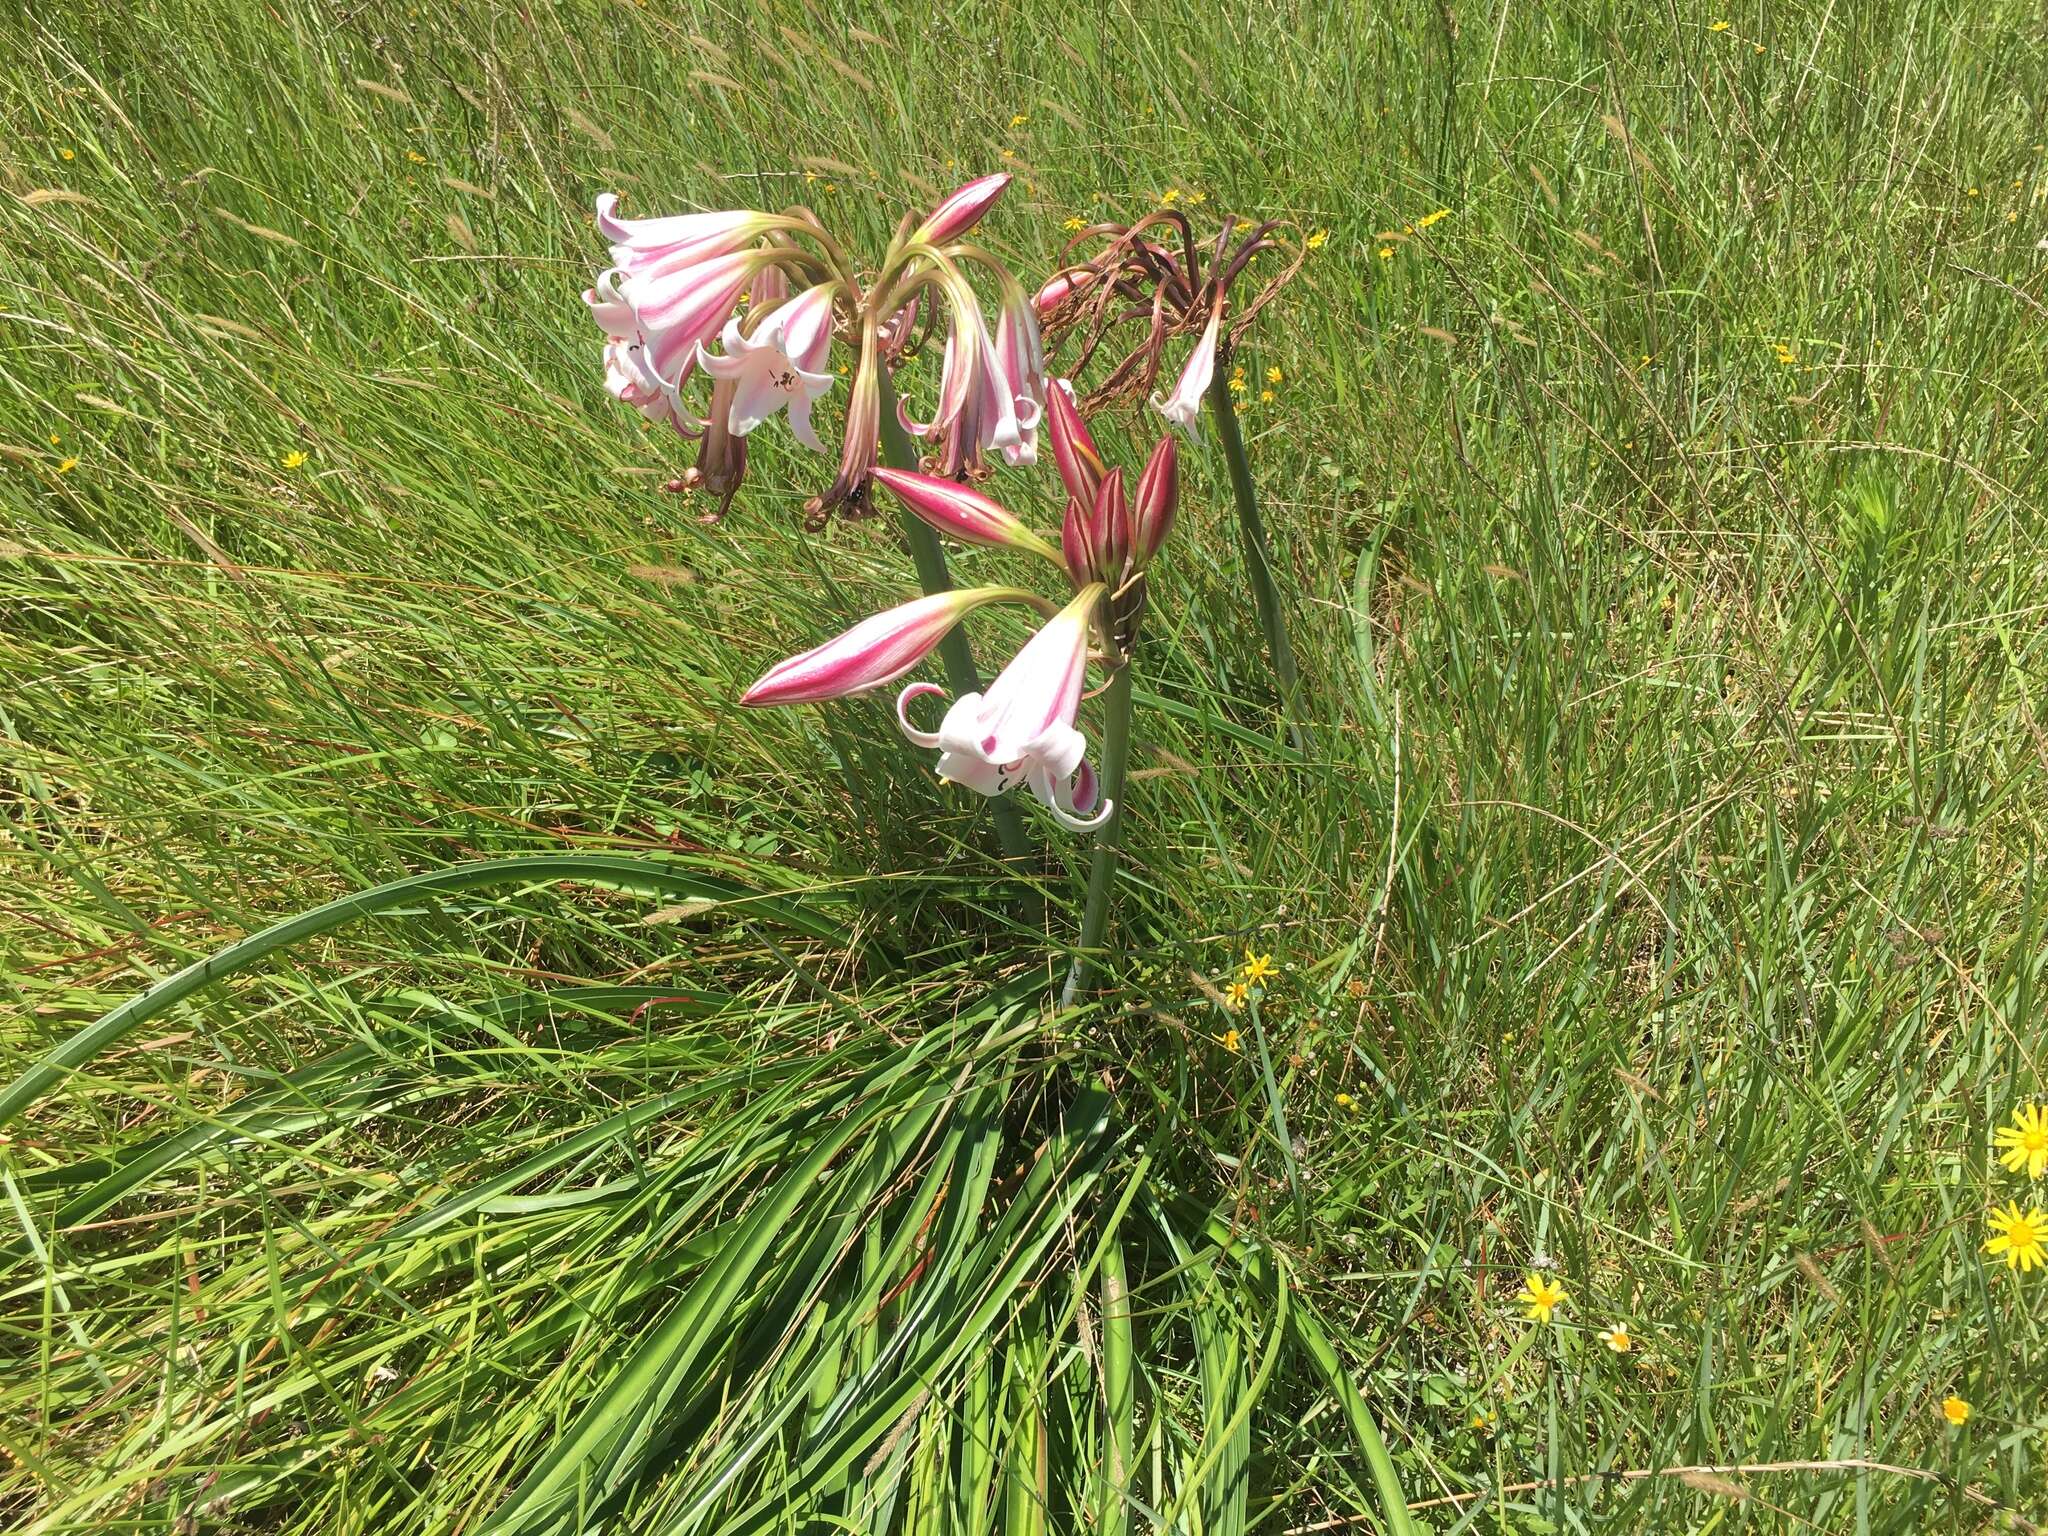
(1659, 884)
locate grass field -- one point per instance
(1656, 890)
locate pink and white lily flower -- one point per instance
(781, 364)
(1021, 731)
(876, 651)
(1184, 406)
(629, 380)
(1020, 357)
(677, 239)
(978, 410)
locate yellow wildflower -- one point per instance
(2020, 1237)
(1258, 968)
(1169, 197)
(65, 154)
(293, 459)
(1482, 1420)
(1345, 1101)
(1196, 199)
(1241, 406)
(1267, 397)
(65, 466)
(415, 157)
(1073, 221)
(1955, 1409)
(1230, 1041)
(1759, 47)
(1019, 119)
(1431, 218)
(1316, 241)
(2024, 1143)
(56, 438)
(1386, 253)
(1786, 355)
(1274, 374)
(1616, 1337)
(1009, 154)
(1719, 26)
(1244, 224)
(1541, 1295)
(1971, 193)
(1233, 997)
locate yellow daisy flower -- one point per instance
(293, 459)
(1233, 997)
(1541, 1295)
(1719, 26)
(1315, 241)
(1073, 221)
(2021, 1238)
(1617, 1338)
(1955, 1410)
(2024, 1143)
(1231, 1042)
(1258, 968)
(1386, 253)
(65, 466)
(1274, 375)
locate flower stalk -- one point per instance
(1258, 554)
(899, 452)
(1116, 756)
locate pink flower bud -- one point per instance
(1158, 499)
(1073, 450)
(962, 512)
(1110, 528)
(961, 210)
(875, 652)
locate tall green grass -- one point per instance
(1658, 888)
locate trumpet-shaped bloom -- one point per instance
(876, 651)
(977, 408)
(1021, 731)
(678, 238)
(961, 209)
(629, 380)
(963, 512)
(1020, 365)
(1184, 405)
(781, 364)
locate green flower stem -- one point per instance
(1116, 756)
(899, 452)
(1258, 555)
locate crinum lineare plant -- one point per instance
(676, 282)
(775, 290)
(1156, 274)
